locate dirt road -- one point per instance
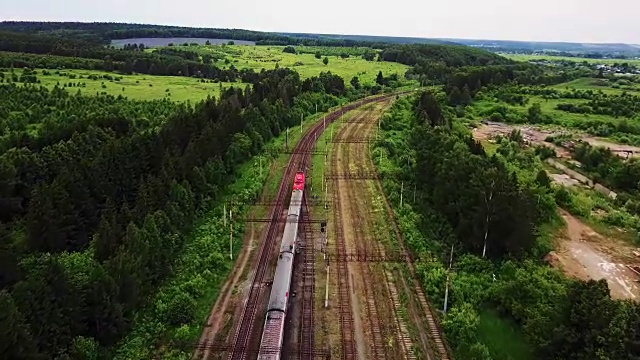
(585, 254)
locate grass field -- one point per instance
(504, 340)
(139, 87)
(523, 57)
(597, 84)
(548, 107)
(266, 57)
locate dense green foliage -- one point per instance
(465, 71)
(559, 318)
(609, 168)
(99, 215)
(34, 117)
(451, 56)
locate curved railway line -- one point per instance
(244, 337)
(386, 338)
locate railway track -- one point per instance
(397, 329)
(248, 319)
(395, 332)
(307, 333)
(359, 222)
(347, 331)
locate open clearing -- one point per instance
(536, 135)
(531, 134)
(584, 254)
(596, 85)
(266, 57)
(136, 87)
(524, 57)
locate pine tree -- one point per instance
(380, 78)
(465, 97)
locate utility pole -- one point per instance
(326, 295)
(332, 132)
(224, 215)
(326, 190)
(230, 236)
(446, 292)
(260, 161)
(301, 118)
(286, 141)
(401, 190)
(316, 108)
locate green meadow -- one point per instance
(267, 57)
(138, 87)
(525, 57)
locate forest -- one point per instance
(495, 221)
(99, 193)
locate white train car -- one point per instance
(272, 335)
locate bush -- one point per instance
(180, 309)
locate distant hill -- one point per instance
(533, 46)
(567, 48)
(374, 39)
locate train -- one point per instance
(273, 331)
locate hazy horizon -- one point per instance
(583, 21)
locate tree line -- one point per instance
(47, 51)
(104, 211)
(102, 33)
(490, 211)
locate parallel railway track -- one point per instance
(243, 338)
(359, 223)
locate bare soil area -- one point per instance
(620, 148)
(585, 254)
(530, 134)
(536, 135)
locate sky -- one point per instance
(538, 20)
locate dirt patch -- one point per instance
(564, 180)
(585, 254)
(534, 135)
(530, 134)
(619, 149)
